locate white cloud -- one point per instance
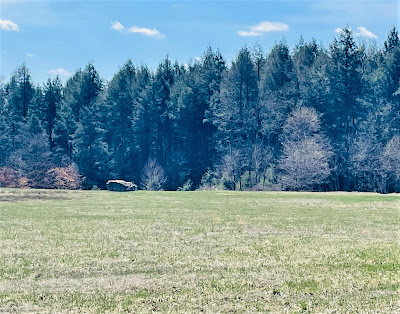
(151, 32)
(117, 26)
(198, 59)
(264, 27)
(28, 54)
(251, 33)
(60, 72)
(363, 32)
(270, 27)
(8, 25)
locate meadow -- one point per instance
(202, 251)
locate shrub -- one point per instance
(187, 186)
(65, 177)
(9, 177)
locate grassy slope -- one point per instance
(100, 251)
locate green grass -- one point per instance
(99, 251)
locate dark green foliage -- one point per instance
(90, 150)
(278, 92)
(213, 125)
(345, 85)
(52, 101)
(190, 104)
(124, 112)
(19, 93)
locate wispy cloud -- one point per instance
(117, 26)
(60, 72)
(8, 25)
(28, 54)
(363, 32)
(151, 32)
(264, 27)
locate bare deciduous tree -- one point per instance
(153, 176)
(301, 123)
(364, 162)
(306, 154)
(390, 160)
(304, 164)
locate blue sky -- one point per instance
(62, 36)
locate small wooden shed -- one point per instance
(121, 185)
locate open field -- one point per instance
(98, 251)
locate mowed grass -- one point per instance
(99, 251)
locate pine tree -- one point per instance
(86, 138)
(235, 112)
(190, 99)
(19, 92)
(90, 149)
(5, 136)
(52, 100)
(144, 117)
(80, 91)
(278, 92)
(309, 61)
(67, 116)
(121, 100)
(161, 88)
(391, 53)
(343, 110)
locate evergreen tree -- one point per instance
(86, 139)
(144, 117)
(52, 100)
(90, 149)
(80, 92)
(163, 81)
(278, 92)
(343, 109)
(190, 99)
(68, 114)
(236, 112)
(391, 54)
(5, 136)
(123, 112)
(310, 61)
(20, 92)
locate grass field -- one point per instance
(99, 251)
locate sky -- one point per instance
(58, 37)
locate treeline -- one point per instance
(313, 118)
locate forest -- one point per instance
(312, 118)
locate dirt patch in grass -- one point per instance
(20, 195)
